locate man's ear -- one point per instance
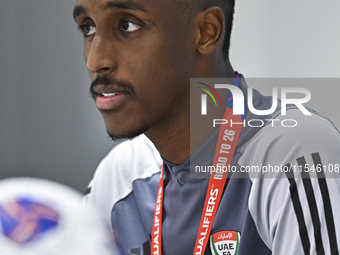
(212, 29)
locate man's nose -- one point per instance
(101, 56)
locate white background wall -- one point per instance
(291, 39)
(286, 38)
(50, 128)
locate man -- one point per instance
(141, 55)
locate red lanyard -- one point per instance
(156, 246)
(225, 148)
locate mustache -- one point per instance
(106, 81)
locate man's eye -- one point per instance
(88, 30)
(128, 26)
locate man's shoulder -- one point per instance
(113, 180)
(140, 144)
(132, 155)
(293, 135)
(290, 165)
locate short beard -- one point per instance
(129, 136)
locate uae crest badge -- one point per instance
(224, 243)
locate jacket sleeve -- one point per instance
(295, 198)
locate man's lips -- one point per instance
(108, 94)
(107, 90)
(109, 98)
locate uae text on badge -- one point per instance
(224, 242)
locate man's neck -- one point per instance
(172, 139)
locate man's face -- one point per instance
(140, 56)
